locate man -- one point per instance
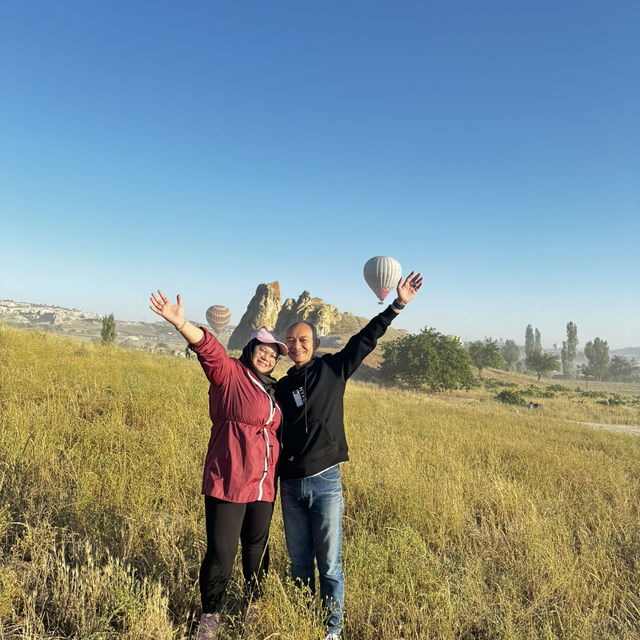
(313, 446)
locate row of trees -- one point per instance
(535, 358)
(487, 353)
(600, 367)
(441, 362)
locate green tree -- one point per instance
(623, 369)
(108, 329)
(542, 363)
(536, 359)
(568, 353)
(597, 354)
(485, 353)
(584, 371)
(510, 353)
(529, 341)
(427, 359)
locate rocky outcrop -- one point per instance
(324, 316)
(262, 311)
(350, 324)
(25, 313)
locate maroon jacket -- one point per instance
(243, 448)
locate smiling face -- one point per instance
(301, 343)
(264, 357)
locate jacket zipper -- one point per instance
(273, 406)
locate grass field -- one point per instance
(465, 518)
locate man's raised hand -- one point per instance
(407, 289)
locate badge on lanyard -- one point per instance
(297, 398)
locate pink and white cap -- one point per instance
(262, 335)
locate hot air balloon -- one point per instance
(218, 317)
(382, 274)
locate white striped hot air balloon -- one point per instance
(218, 317)
(382, 274)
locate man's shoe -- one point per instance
(209, 626)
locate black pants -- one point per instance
(228, 522)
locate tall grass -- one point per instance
(464, 518)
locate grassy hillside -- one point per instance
(465, 518)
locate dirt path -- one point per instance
(622, 428)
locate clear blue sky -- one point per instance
(204, 147)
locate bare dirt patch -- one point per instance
(622, 428)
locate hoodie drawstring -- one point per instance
(306, 427)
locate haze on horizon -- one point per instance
(519, 339)
(210, 147)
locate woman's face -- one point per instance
(264, 357)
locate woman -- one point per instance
(239, 482)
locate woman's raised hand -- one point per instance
(173, 313)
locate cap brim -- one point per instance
(266, 337)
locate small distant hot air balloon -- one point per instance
(218, 317)
(382, 274)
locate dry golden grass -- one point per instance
(465, 518)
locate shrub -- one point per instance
(557, 387)
(510, 396)
(536, 392)
(593, 394)
(614, 401)
(427, 359)
(491, 384)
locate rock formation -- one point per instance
(25, 313)
(324, 316)
(262, 311)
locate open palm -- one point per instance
(407, 289)
(173, 313)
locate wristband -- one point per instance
(397, 305)
(182, 327)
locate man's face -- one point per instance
(300, 343)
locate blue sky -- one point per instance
(205, 147)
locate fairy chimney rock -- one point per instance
(262, 311)
(323, 316)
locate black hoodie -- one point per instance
(311, 399)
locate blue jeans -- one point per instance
(312, 513)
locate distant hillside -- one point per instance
(88, 326)
(627, 352)
(156, 336)
(160, 336)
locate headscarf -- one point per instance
(268, 381)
